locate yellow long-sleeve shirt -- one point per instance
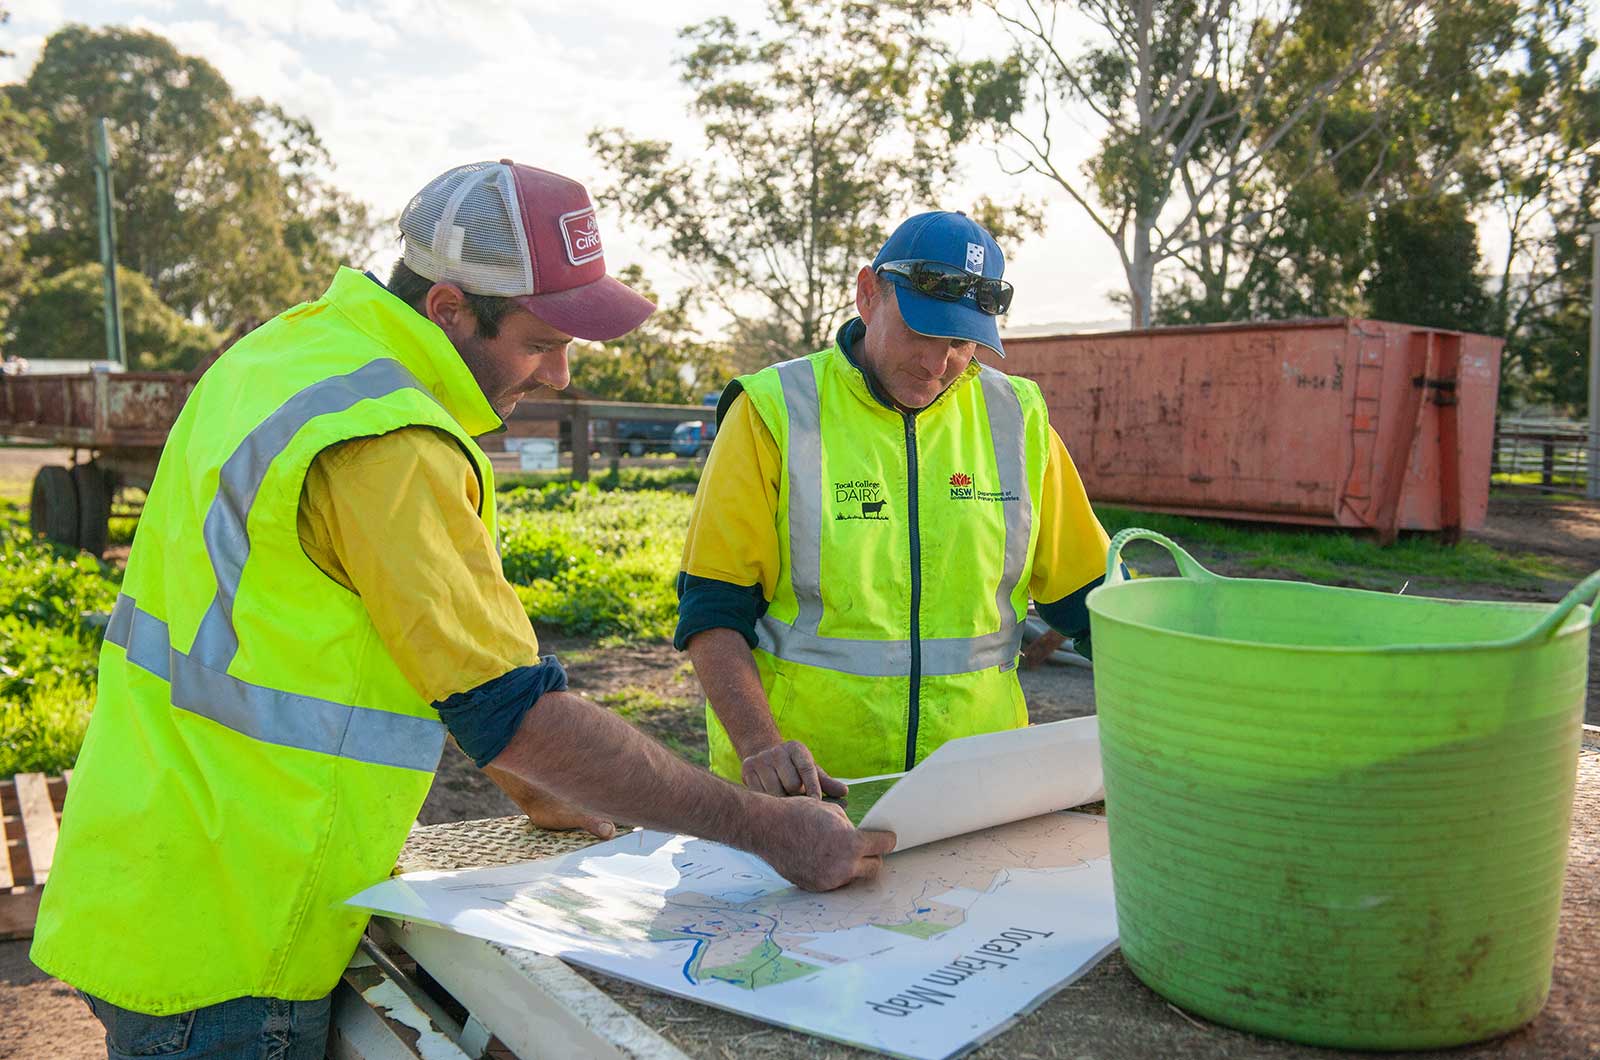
(394, 519)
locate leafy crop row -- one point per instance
(592, 562)
(585, 560)
(49, 641)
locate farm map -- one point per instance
(941, 952)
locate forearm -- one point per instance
(727, 671)
(590, 757)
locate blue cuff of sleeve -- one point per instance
(705, 603)
(484, 719)
(1069, 616)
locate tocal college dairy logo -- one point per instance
(582, 234)
(860, 498)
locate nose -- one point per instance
(553, 370)
(939, 358)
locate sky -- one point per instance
(401, 90)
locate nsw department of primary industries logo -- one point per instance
(961, 486)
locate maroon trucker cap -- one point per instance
(514, 231)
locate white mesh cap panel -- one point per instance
(465, 228)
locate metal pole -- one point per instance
(1592, 482)
(116, 349)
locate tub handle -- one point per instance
(1188, 566)
(1585, 591)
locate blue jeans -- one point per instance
(246, 1028)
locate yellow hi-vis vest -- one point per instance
(905, 543)
(255, 756)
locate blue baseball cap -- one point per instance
(954, 239)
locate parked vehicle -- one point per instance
(638, 437)
(692, 440)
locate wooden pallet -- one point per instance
(30, 816)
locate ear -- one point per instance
(446, 306)
(869, 294)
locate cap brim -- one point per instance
(600, 311)
(962, 320)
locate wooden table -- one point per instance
(539, 1006)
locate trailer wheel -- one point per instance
(53, 506)
(94, 489)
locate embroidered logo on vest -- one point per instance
(859, 499)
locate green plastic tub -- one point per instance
(1338, 817)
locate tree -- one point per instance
(1191, 104)
(64, 317)
(1542, 177)
(219, 199)
(1425, 270)
(1428, 101)
(19, 148)
(660, 361)
(821, 127)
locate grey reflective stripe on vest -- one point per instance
(379, 737)
(940, 657)
(804, 461)
(1011, 460)
(227, 530)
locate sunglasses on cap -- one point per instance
(948, 283)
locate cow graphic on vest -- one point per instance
(871, 508)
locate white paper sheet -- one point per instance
(981, 781)
(937, 954)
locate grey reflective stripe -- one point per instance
(144, 638)
(941, 657)
(379, 737)
(227, 533)
(1011, 460)
(804, 462)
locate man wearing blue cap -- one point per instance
(870, 526)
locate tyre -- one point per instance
(53, 506)
(636, 447)
(94, 488)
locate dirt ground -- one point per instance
(652, 686)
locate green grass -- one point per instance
(631, 701)
(600, 561)
(1536, 478)
(1338, 556)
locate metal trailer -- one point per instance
(1363, 424)
(115, 423)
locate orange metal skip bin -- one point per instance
(1336, 422)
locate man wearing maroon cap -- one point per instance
(313, 599)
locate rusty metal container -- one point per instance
(1334, 422)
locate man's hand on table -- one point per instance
(788, 769)
(547, 810)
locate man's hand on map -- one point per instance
(788, 769)
(813, 845)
